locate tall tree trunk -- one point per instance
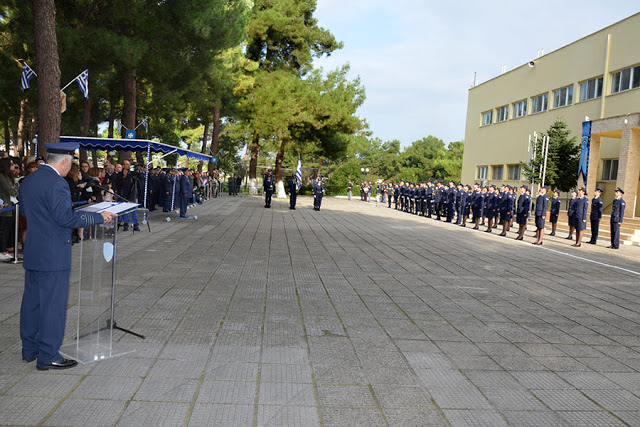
(129, 108)
(46, 46)
(280, 193)
(20, 143)
(94, 153)
(215, 136)
(253, 165)
(205, 137)
(84, 127)
(7, 137)
(319, 172)
(112, 119)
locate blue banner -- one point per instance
(585, 146)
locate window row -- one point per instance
(626, 79)
(514, 173)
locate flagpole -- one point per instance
(74, 79)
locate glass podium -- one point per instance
(96, 291)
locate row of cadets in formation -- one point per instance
(169, 188)
(494, 206)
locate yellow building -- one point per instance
(596, 78)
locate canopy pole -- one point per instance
(146, 176)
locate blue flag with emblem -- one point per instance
(83, 82)
(299, 174)
(27, 74)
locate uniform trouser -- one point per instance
(389, 200)
(423, 207)
(615, 234)
(267, 197)
(43, 314)
(595, 228)
(317, 200)
(166, 204)
(430, 206)
(7, 225)
(292, 199)
(450, 211)
(184, 201)
(395, 201)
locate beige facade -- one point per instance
(597, 77)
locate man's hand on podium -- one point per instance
(107, 216)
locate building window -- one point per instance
(520, 108)
(514, 173)
(539, 103)
(591, 89)
(487, 118)
(482, 172)
(626, 79)
(563, 97)
(503, 114)
(610, 170)
(496, 172)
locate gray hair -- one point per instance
(57, 158)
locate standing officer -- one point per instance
(541, 213)
(293, 192)
(318, 192)
(522, 211)
(596, 215)
(45, 201)
(617, 215)
(555, 211)
(186, 191)
(571, 213)
(582, 205)
(477, 205)
(268, 189)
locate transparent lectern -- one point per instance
(96, 290)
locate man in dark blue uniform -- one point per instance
(318, 192)
(268, 189)
(293, 192)
(45, 201)
(617, 215)
(167, 189)
(595, 216)
(186, 192)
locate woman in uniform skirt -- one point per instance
(555, 211)
(571, 213)
(580, 217)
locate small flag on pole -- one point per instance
(299, 174)
(83, 82)
(27, 74)
(220, 153)
(145, 125)
(119, 128)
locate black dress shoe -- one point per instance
(59, 364)
(30, 359)
(136, 228)
(591, 243)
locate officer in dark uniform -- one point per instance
(595, 216)
(523, 207)
(490, 207)
(617, 215)
(268, 189)
(477, 205)
(571, 213)
(429, 196)
(318, 192)
(396, 194)
(45, 201)
(506, 209)
(541, 213)
(438, 199)
(293, 192)
(555, 211)
(582, 206)
(186, 192)
(167, 188)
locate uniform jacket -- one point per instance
(617, 210)
(582, 206)
(524, 204)
(596, 208)
(572, 207)
(186, 188)
(45, 201)
(541, 205)
(268, 183)
(318, 188)
(555, 206)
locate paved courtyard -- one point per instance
(356, 315)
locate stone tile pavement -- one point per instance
(354, 315)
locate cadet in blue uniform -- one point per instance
(617, 215)
(523, 207)
(595, 216)
(490, 206)
(582, 206)
(293, 192)
(318, 192)
(555, 211)
(541, 213)
(571, 213)
(268, 189)
(477, 205)
(45, 201)
(186, 191)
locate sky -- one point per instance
(417, 58)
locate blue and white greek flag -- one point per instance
(299, 174)
(27, 74)
(145, 124)
(83, 82)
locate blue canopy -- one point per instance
(138, 145)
